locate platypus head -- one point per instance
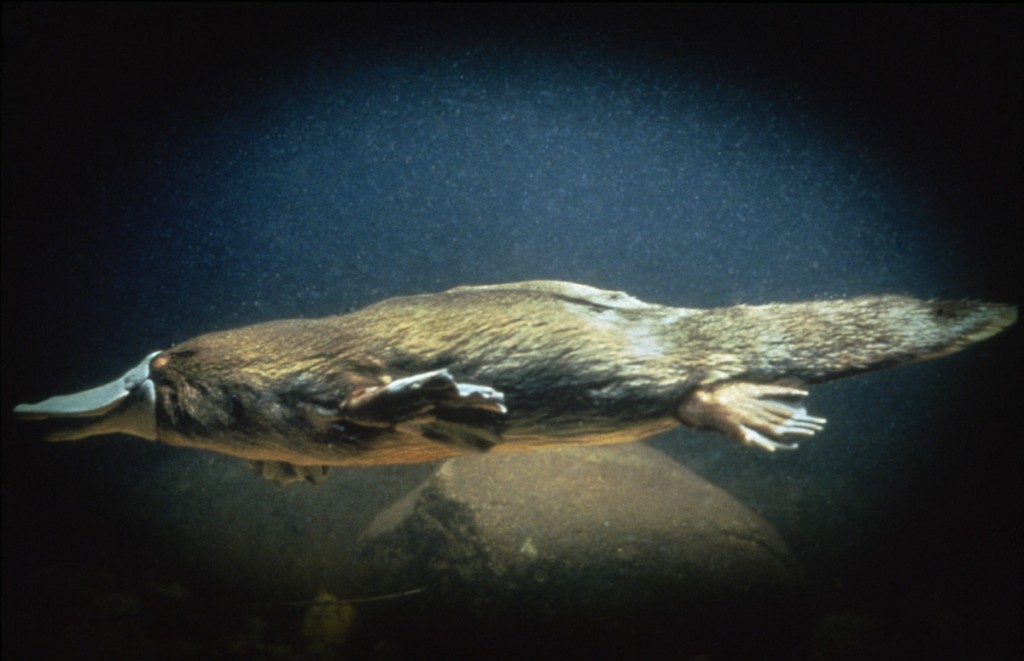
(203, 393)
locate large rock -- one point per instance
(610, 549)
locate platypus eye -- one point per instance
(159, 362)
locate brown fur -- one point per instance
(577, 364)
(574, 364)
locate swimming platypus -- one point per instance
(506, 368)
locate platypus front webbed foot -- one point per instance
(751, 413)
(416, 395)
(432, 405)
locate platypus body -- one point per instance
(506, 368)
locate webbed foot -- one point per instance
(433, 405)
(753, 414)
(282, 473)
(412, 396)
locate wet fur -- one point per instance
(576, 364)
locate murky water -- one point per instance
(173, 171)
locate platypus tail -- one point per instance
(826, 340)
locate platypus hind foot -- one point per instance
(282, 473)
(753, 414)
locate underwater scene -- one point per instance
(171, 171)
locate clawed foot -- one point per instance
(754, 414)
(419, 395)
(432, 406)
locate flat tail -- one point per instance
(821, 341)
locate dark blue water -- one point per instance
(174, 170)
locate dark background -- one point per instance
(169, 170)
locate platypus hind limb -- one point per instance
(507, 368)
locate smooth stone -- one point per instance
(615, 549)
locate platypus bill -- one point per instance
(507, 368)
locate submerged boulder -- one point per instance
(579, 550)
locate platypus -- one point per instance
(505, 368)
